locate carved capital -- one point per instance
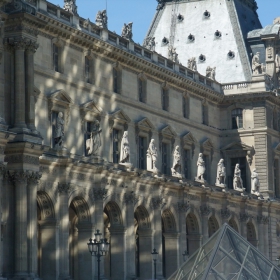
(225, 213)
(156, 202)
(183, 206)
(98, 194)
(64, 188)
(34, 177)
(32, 47)
(263, 220)
(130, 198)
(18, 176)
(243, 217)
(205, 210)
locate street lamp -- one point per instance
(185, 255)
(155, 256)
(98, 247)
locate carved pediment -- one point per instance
(168, 132)
(145, 124)
(188, 139)
(237, 146)
(120, 116)
(207, 145)
(91, 106)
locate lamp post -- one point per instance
(155, 256)
(185, 255)
(98, 247)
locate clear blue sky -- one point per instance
(141, 13)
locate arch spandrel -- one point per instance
(142, 217)
(46, 206)
(168, 220)
(213, 225)
(114, 213)
(192, 224)
(232, 222)
(82, 209)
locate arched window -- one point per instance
(237, 118)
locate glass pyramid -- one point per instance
(227, 256)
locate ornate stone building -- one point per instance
(98, 132)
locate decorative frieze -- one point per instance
(18, 6)
(64, 188)
(243, 217)
(156, 202)
(263, 220)
(98, 194)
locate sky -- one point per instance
(141, 13)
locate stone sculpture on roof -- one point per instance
(102, 19)
(125, 150)
(94, 142)
(211, 73)
(150, 43)
(152, 156)
(192, 64)
(70, 6)
(176, 167)
(255, 183)
(172, 54)
(127, 31)
(277, 65)
(257, 67)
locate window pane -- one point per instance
(142, 152)
(115, 80)
(55, 57)
(115, 145)
(87, 69)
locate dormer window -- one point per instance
(191, 38)
(206, 14)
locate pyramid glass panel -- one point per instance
(227, 256)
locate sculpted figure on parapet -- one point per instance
(127, 31)
(200, 167)
(70, 6)
(255, 183)
(150, 43)
(176, 167)
(211, 73)
(172, 54)
(237, 180)
(125, 150)
(59, 131)
(152, 156)
(102, 19)
(221, 173)
(192, 64)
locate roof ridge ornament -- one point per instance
(71, 7)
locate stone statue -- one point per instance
(125, 151)
(237, 180)
(257, 67)
(102, 19)
(127, 31)
(94, 142)
(59, 131)
(150, 43)
(192, 64)
(70, 6)
(200, 168)
(152, 156)
(176, 167)
(277, 65)
(172, 54)
(255, 183)
(211, 73)
(221, 174)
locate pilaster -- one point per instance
(182, 209)
(263, 234)
(204, 211)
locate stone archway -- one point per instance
(193, 235)
(169, 243)
(233, 224)
(80, 230)
(251, 234)
(114, 224)
(213, 226)
(144, 242)
(47, 237)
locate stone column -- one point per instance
(19, 179)
(30, 102)
(20, 102)
(32, 224)
(182, 208)
(145, 258)
(63, 190)
(48, 233)
(205, 211)
(130, 199)
(117, 253)
(263, 235)
(157, 222)
(171, 249)
(85, 268)
(2, 170)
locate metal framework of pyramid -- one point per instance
(227, 256)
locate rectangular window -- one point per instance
(56, 57)
(54, 116)
(276, 178)
(207, 168)
(116, 145)
(87, 135)
(142, 152)
(87, 69)
(140, 90)
(242, 165)
(185, 107)
(187, 164)
(115, 80)
(164, 99)
(165, 159)
(237, 118)
(204, 114)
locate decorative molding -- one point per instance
(22, 159)
(225, 213)
(204, 210)
(156, 202)
(183, 206)
(18, 6)
(130, 198)
(98, 194)
(64, 188)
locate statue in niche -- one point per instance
(192, 64)
(172, 54)
(237, 180)
(125, 151)
(277, 65)
(176, 167)
(211, 73)
(200, 168)
(102, 19)
(127, 31)
(150, 43)
(255, 183)
(94, 142)
(70, 6)
(152, 156)
(257, 67)
(221, 174)
(59, 131)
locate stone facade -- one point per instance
(63, 76)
